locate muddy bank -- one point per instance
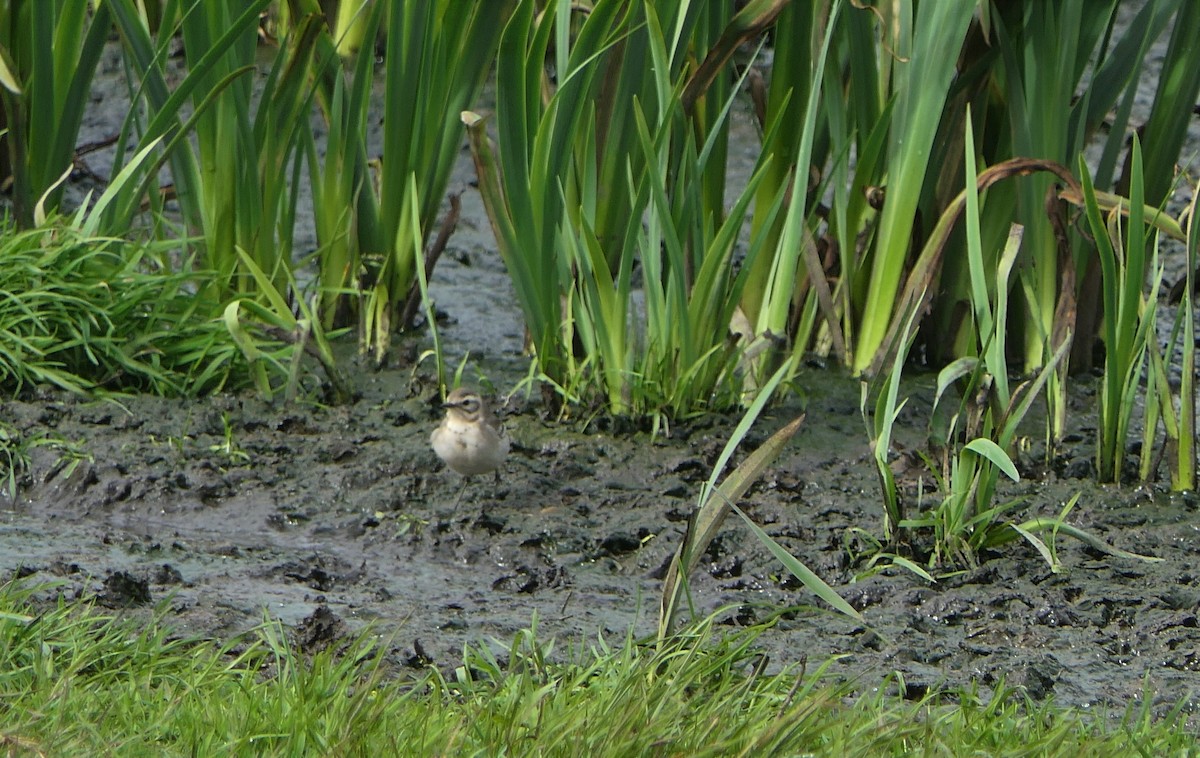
(329, 518)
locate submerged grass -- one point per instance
(75, 681)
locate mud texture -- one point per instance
(330, 517)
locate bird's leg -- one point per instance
(458, 498)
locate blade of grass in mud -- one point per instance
(806, 576)
(713, 502)
(1046, 524)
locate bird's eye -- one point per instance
(470, 405)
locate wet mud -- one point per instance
(330, 518)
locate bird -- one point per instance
(468, 440)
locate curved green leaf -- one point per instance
(995, 454)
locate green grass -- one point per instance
(74, 681)
(85, 313)
(92, 314)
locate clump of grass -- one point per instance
(78, 682)
(83, 313)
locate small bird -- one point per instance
(469, 440)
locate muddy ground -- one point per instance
(328, 518)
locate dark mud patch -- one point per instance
(329, 518)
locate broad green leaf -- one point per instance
(995, 454)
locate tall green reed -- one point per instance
(792, 131)
(1127, 325)
(626, 187)
(232, 184)
(1176, 409)
(344, 199)
(1127, 234)
(523, 185)
(990, 412)
(1042, 78)
(234, 170)
(1065, 67)
(925, 44)
(1178, 87)
(244, 207)
(437, 54)
(682, 359)
(48, 56)
(978, 443)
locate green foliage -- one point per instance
(608, 177)
(1024, 70)
(523, 188)
(246, 202)
(926, 48)
(48, 55)
(1129, 317)
(1045, 50)
(300, 334)
(437, 56)
(79, 682)
(1175, 408)
(1178, 85)
(84, 313)
(978, 442)
(880, 418)
(716, 502)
